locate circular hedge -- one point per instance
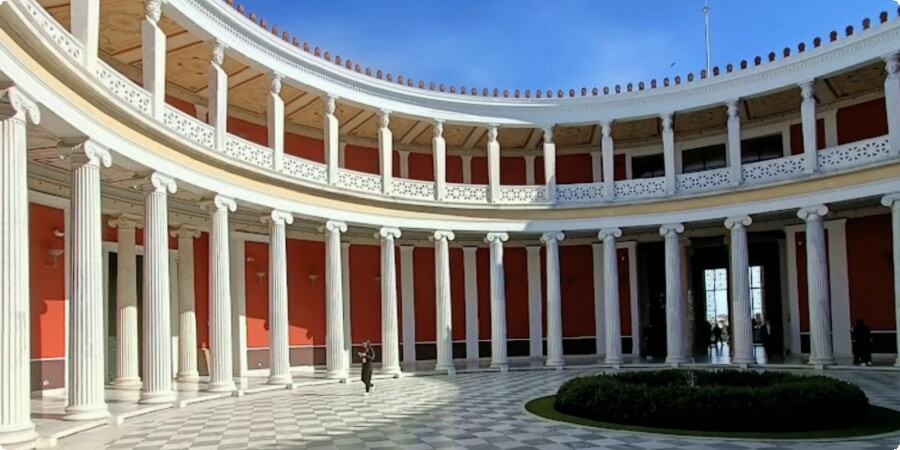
(715, 400)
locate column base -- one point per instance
(614, 360)
(86, 412)
(188, 377)
(897, 362)
(392, 371)
(221, 386)
(555, 364)
(675, 361)
(280, 379)
(743, 362)
(127, 384)
(821, 362)
(18, 436)
(337, 375)
(503, 366)
(157, 398)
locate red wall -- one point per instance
(365, 293)
(454, 169)
(483, 274)
(512, 170)
(185, 107)
(361, 159)
(577, 290)
(423, 262)
(515, 262)
(862, 121)
(306, 298)
(797, 137)
(870, 271)
(248, 130)
(47, 282)
(624, 292)
(421, 167)
(257, 294)
(479, 170)
(304, 147)
(576, 168)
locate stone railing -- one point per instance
(773, 169)
(523, 195)
(703, 181)
(359, 181)
(123, 88)
(580, 193)
(466, 193)
(248, 152)
(53, 31)
(641, 188)
(413, 189)
(188, 127)
(306, 170)
(854, 154)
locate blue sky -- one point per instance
(561, 44)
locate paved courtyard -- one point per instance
(473, 411)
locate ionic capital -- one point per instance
(334, 226)
(891, 200)
(814, 212)
(85, 151)
(386, 233)
(614, 233)
(219, 203)
(162, 183)
(808, 90)
(125, 222)
(733, 109)
(553, 236)
(442, 235)
(738, 221)
(23, 106)
(496, 238)
(671, 229)
(278, 218)
(185, 232)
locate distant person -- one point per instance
(768, 341)
(717, 335)
(862, 341)
(367, 356)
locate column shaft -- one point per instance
(442, 296)
(611, 296)
(498, 302)
(127, 354)
(668, 138)
(535, 306)
(279, 352)
(390, 345)
(734, 141)
(331, 139)
(221, 370)
(345, 303)
(386, 152)
(892, 101)
(85, 26)
(407, 278)
(493, 163)
(470, 275)
(599, 313)
(275, 119)
(607, 149)
(218, 96)
(554, 301)
(742, 326)
(439, 148)
(187, 313)
(153, 47)
(808, 124)
(549, 164)
(676, 329)
(334, 302)
(817, 287)
(893, 202)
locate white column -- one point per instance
(390, 346)
(467, 169)
(668, 138)
(345, 303)
(407, 296)
(275, 119)
(607, 149)
(237, 264)
(839, 288)
(493, 163)
(829, 121)
(385, 151)
(893, 201)
(202, 112)
(535, 305)
(611, 295)
(342, 154)
(631, 247)
(549, 164)
(817, 286)
(330, 138)
(187, 313)
(498, 302)
(734, 141)
(85, 26)
(334, 302)
(470, 275)
(742, 326)
(153, 49)
(596, 167)
(554, 300)
(279, 353)
(892, 100)
(156, 357)
(599, 321)
(404, 163)
(442, 295)
(86, 377)
(529, 169)
(676, 330)
(127, 355)
(221, 370)
(439, 148)
(16, 427)
(218, 96)
(808, 122)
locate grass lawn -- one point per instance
(880, 420)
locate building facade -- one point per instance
(187, 193)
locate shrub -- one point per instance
(726, 400)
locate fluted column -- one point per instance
(676, 328)
(549, 164)
(345, 300)
(535, 313)
(331, 139)
(470, 277)
(893, 201)
(156, 355)
(599, 313)
(127, 355)
(334, 302)
(819, 297)
(439, 148)
(734, 141)
(86, 377)
(554, 300)
(892, 101)
(442, 295)
(607, 149)
(385, 151)
(529, 170)
(218, 95)
(668, 138)
(187, 313)
(16, 427)
(408, 294)
(279, 354)
(153, 49)
(221, 370)
(611, 295)
(390, 342)
(466, 168)
(275, 119)
(808, 125)
(498, 302)
(742, 324)
(493, 163)
(85, 26)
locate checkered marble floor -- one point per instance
(472, 411)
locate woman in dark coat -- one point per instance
(367, 356)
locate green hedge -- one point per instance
(726, 400)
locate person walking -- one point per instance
(367, 356)
(768, 340)
(862, 339)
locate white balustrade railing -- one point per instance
(306, 170)
(773, 169)
(466, 193)
(188, 127)
(359, 181)
(641, 188)
(854, 154)
(523, 195)
(53, 30)
(248, 152)
(413, 189)
(703, 181)
(579, 193)
(122, 88)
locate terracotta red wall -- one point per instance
(454, 169)
(183, 106)
(479, 170)
(512, 170)
(571, 169)
(862, 121)
(577, 290)
(539, 177)
(306, 299)
(457, 294)
(624, 292)
(421, 167)
(304, 147)
(47, 282)
(870, 271)
(365, 293)
(620, 171)
(111, 234)
(483, 274)
(515, 262)
(797, 137)
(423, 271)
(361, 159)
(257, 294)
(201, 288)
(248, 130)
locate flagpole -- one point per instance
(705, 11)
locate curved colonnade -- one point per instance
(55, 78)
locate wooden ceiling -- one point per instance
(187, 66)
